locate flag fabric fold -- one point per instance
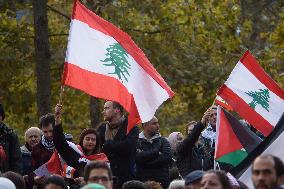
(253, 94)
(104, 62)
(234, 140)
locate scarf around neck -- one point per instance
(209, 134)
(111, 130)
(48, 144)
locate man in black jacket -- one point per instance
(10, 152)
(194, 153)
(119, 147)
(153, 156)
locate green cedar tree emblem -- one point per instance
(261, 98)
(117, 57)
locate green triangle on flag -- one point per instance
(233, 158)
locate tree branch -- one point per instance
(26, 36)
(58, 12)
(148, 32)
(156, 31)
(58, 34)
(25, 81)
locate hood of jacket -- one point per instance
(142, 136)
(25, 150)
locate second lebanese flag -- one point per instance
(104, 62)
(253, 94)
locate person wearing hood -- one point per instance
(10, 152)
(6, 183)
(175, 138)
(153, 156)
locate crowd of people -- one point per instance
(108, 157)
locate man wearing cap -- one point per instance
(10, 153)
(193, 179)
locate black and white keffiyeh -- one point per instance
(48, 144)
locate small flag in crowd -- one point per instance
(57, 165)
(104, 62)
(253, 94)
(234, 140)
(52, 166)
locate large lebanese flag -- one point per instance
(104, 62)
(253, 94)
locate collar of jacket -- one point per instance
(4, 129)
(25, 150)
(142, 136)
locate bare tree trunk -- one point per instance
(42, 56)
(95, 112)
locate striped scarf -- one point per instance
(48, 144)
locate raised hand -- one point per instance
(57, 114)
(207, 114)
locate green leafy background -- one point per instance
(193, 44)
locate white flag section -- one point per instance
(242, 81)
(276, 149)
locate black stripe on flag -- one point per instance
(247, 138)
(241, 168)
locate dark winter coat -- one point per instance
(10, 142)
(27, 163)
(191, 157)
(120, 151)
(27, 159)
(153, 159)
(40, 155)
(70, 156)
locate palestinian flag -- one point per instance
(104, 62)
(234, 140)
(253, 94)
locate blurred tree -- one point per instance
(193, 44)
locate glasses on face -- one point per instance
(99, 178)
